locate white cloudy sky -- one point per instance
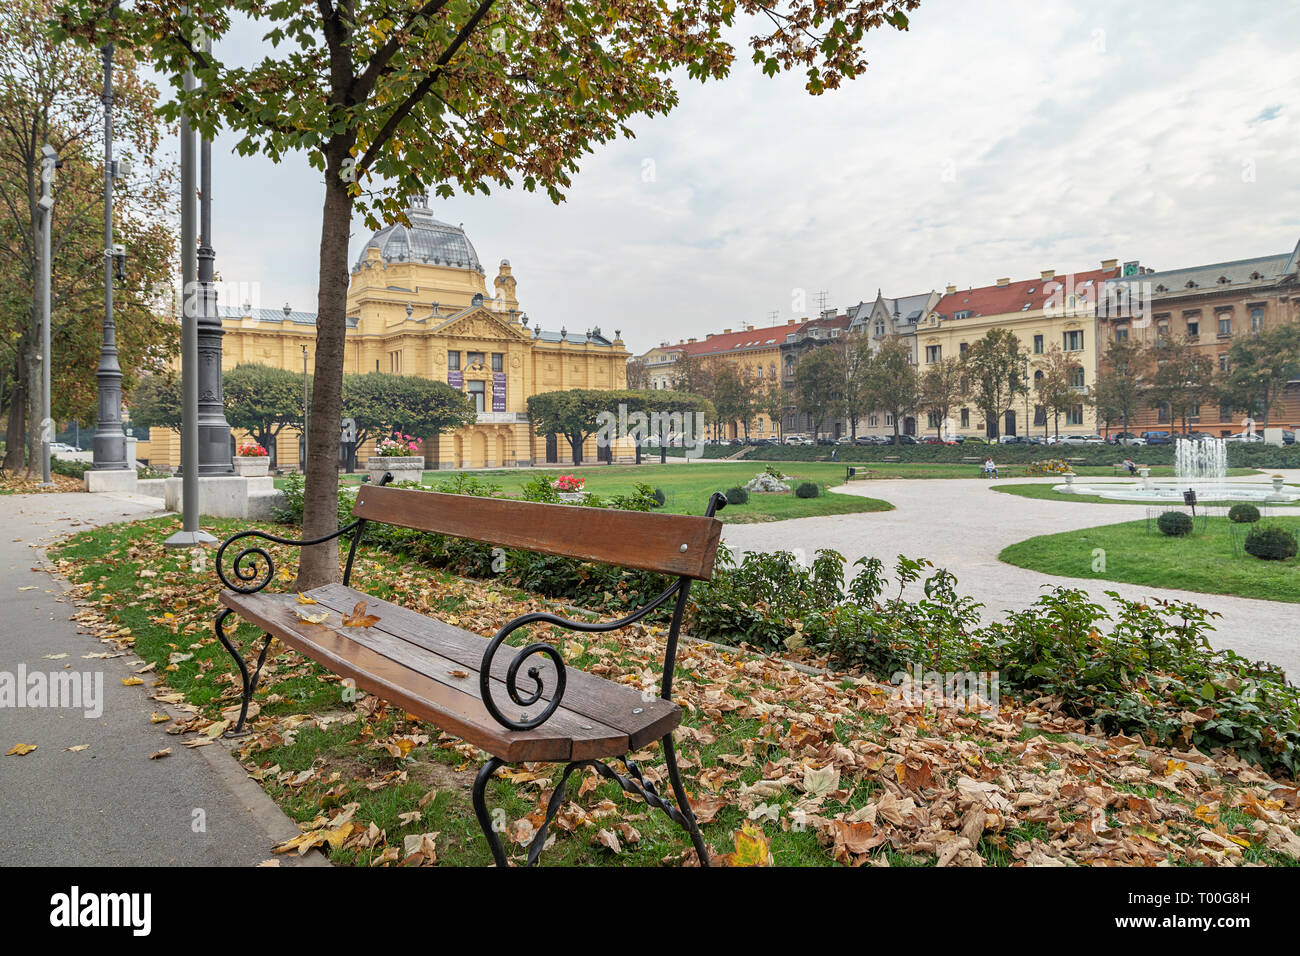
(995, 138)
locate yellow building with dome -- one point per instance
(418, 304)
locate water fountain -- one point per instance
(1200, 466)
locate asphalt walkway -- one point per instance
(107, 804)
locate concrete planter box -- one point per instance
(406, 468)
(573, 497)
(252, 466)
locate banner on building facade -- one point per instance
(455, 379)
(498, 391)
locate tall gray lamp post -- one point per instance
(109, 443)
(45, 224)
(214, 430)
(190, 535)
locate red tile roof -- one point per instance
(1004, 299)
(759, 338)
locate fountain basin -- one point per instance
(1172, 490)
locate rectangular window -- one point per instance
(965, 418)
(1223, 361)
(475, 391)
(1256, 318)
(1076, 377)
(932, 353)
(473, 358)
(1225, 412)
(1225, 326)
(872, 421)
(933, 419)
(1121, 333)
(1194, 413)
(889, 418)
(1038, 345)
(963, 347)
(1074, 341)
(1193, 329)
(1075, 415)
(498, 362)
(1162, 331)
(1162, 414)
(961, 314)
(453, 360)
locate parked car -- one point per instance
(1199, 436)
(1131, 439)
(1158, 438)
(1244, 437)
(1288, 437)
(902, 440)
(972, 440)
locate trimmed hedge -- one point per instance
(1243, 514)
(736, 495)
(1176, 524)
(807, 489)
(1271, 543)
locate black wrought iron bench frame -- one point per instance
(253, 569)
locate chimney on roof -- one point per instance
(789, 321)
(1004, 282)
(1109, 264)
(709, 336)
(749, 328)
(726, 331)
(690, 340)
(1047, 274)
(950, 290)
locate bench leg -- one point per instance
(481, 811)
(684, 805)
(249, 681)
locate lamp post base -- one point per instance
(189, 539)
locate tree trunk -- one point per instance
(320, 563)
(17, 430)
(34, 389)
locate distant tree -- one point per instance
(893, 385)
(381, 403)
(1183, 379)
(854, 354)
(156, 403)
(819, 386)
(995, 368)
(1120, 382)
(694, 374)
(1054, 387)
(735, 396)
(1259, 367)
(262, 400)
(638, 374)
(942, 388)
(579, 413)
(773, 402)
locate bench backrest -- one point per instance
(652, 541)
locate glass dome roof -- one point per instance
(426, 240)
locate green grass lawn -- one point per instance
(1044, 491)
(1135, 555)
(687, 487)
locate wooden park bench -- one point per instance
(529, 707)
(892, 458)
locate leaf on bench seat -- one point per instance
(304, 599)
(313, 618)
(359, 617)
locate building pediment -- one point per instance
(478, 322)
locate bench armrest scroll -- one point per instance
(253, 566)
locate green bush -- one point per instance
(72, 469)
(1176, 524)
(737, 495)
(1271, 543)
(660, 498)
(1243, 514)
(807, 489)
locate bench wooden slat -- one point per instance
(671, 544)
(421, 682)
(604, 701)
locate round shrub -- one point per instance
(1243, 514)
(807, 489)
(1271, 544)
(1175, 524)
(737, 495)
(661, 499)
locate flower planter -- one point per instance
(573, 497)
(404, 468)
(1277, 484)
(252, 466)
